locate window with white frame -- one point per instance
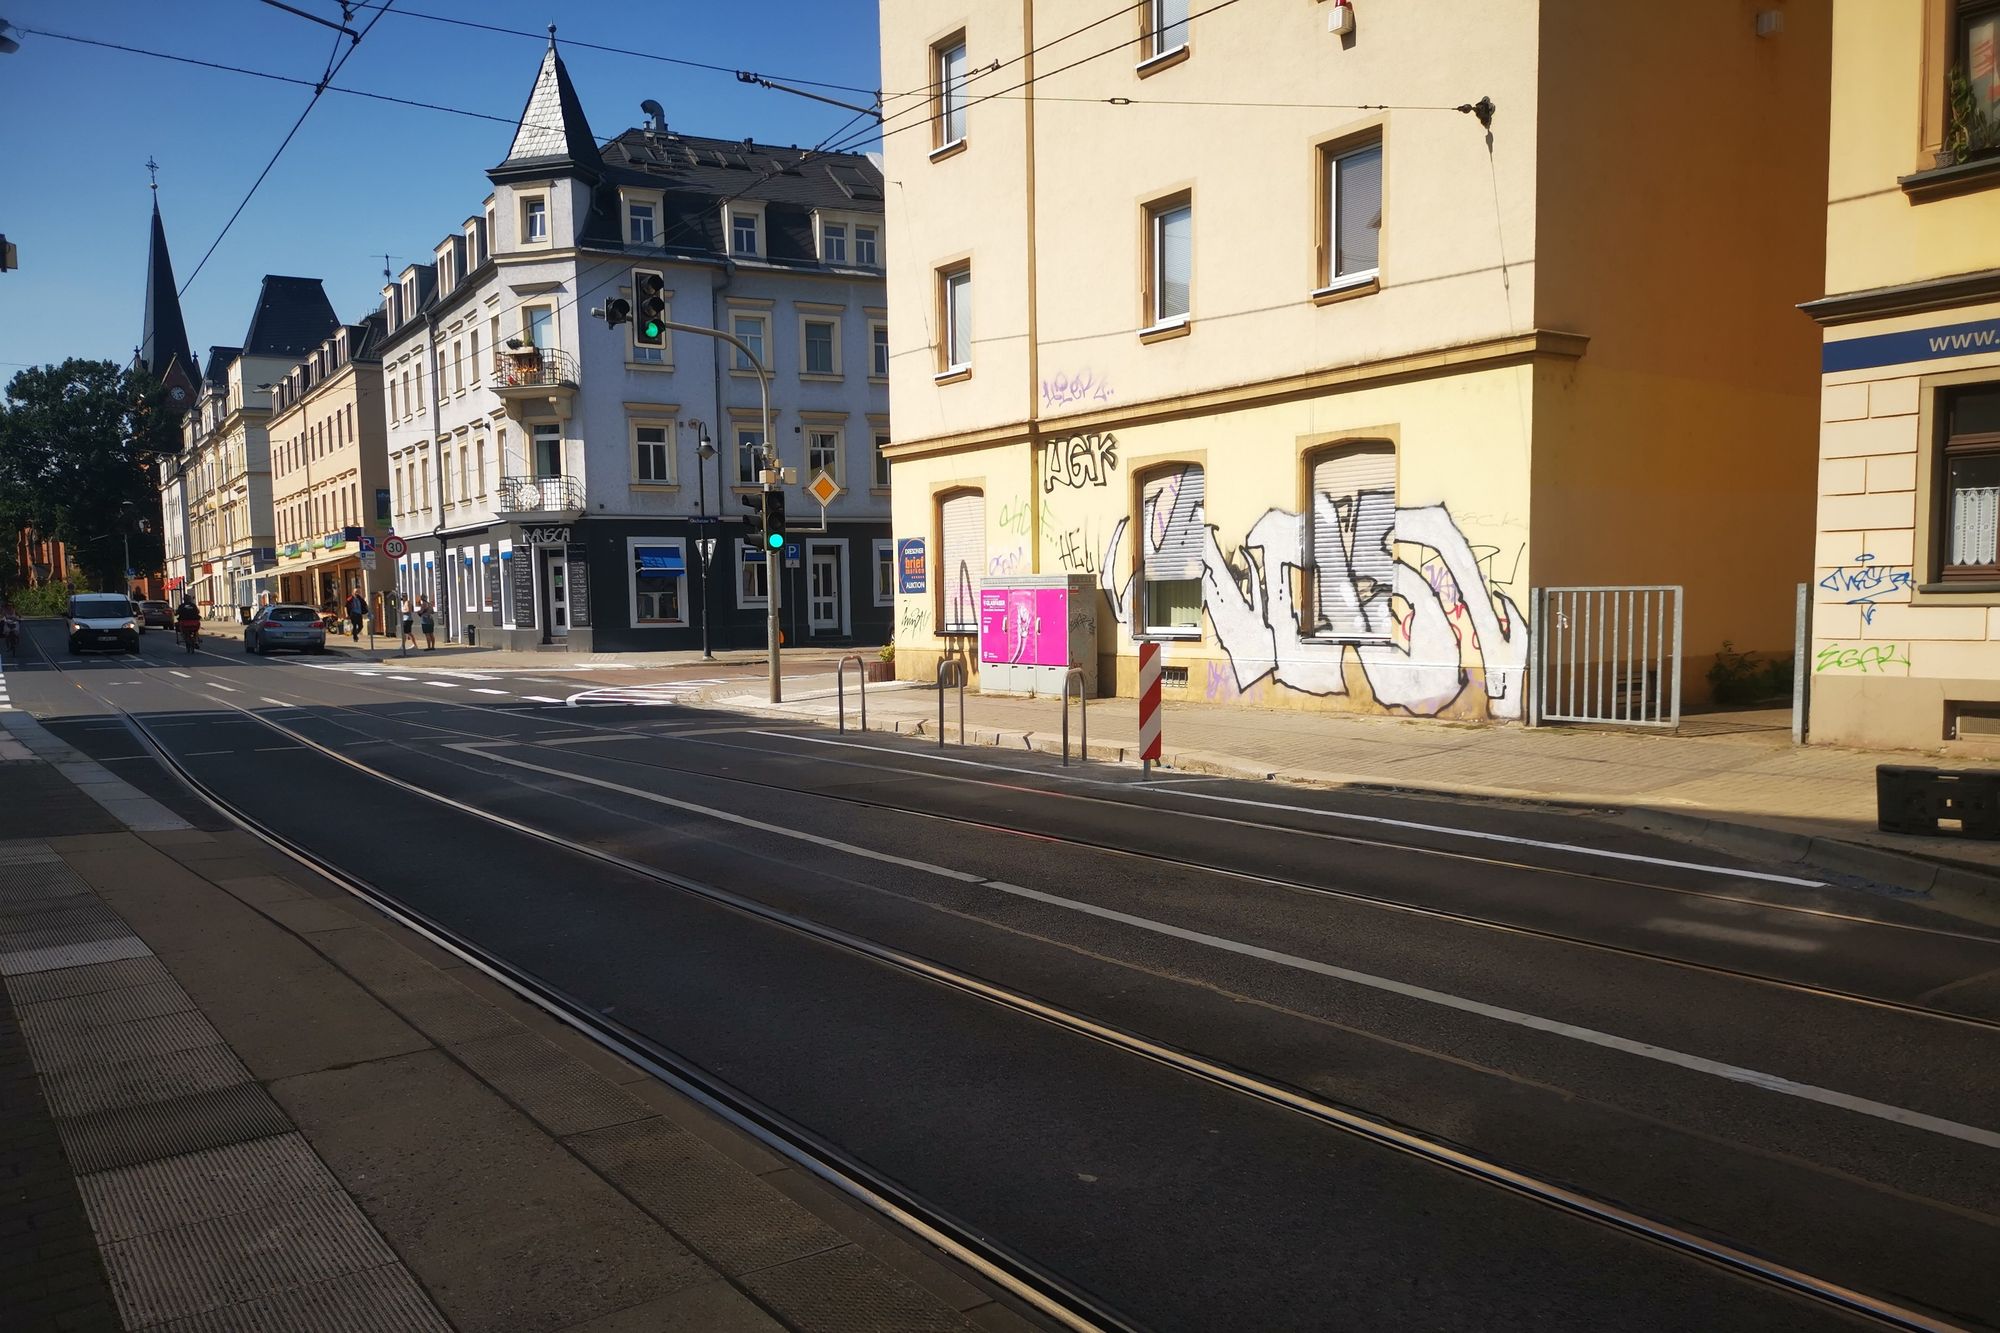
(948, 74)
(538, 322)
(639, 223)
(1167, 26)
(1350, 249)
(548, 449)
(753, 576)
(659, 581)
(823, 451)
(866, 252)
(833, 242)
(743, 233)
(881, 460)
(1172, 535)
(534, 219)
(955, 310)
(479, 462)
(458, 366)
(961, 560)
(885, 571)
(878, 350)
(1351, 543)
(749, 454)
(749, 330)
(1170, 260)
(821, 340)
(653, 452)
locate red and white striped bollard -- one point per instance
(1149, 706)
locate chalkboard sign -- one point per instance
(493, 586)
(579, 586)
(522, 576)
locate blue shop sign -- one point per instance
(911, 573)
(1894, 349)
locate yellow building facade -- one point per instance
(1906, 615)
(1316, 335)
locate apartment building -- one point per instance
(329, 468)
(1906, 614)
(559, 477)
(1318, 335)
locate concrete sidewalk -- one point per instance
(237, 1098)
(1727, 778)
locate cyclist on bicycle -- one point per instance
(187, 620)
(10, 626)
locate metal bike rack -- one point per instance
(953, 667)
(840, 687)
(1082, 717)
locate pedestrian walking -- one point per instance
(357, 611)
(428, 615)
(409, 620)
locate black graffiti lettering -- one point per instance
(1079, 461)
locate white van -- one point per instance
(103, 620)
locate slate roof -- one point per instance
(553, 136)
(293, 316)
(164, 341)
(220, 359)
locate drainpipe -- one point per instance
(725, 440)
(442, 606)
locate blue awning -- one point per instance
(660, 560)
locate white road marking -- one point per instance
(1383, 820)
(481, 689)
(442, 684)
(540, 699)
(402, 678)
(182, 674)
(1534, 1022)
(279, 703)
(218, 685)
(203, 754)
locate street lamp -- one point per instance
(704, 451)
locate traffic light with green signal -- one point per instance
(651, 290)
(774, 520)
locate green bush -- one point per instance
(50, 599)
(1744, 678)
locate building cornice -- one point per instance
(1541, 344)
(1905, 298)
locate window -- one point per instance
(1172, 535)
(833, 242)
(1350, 245)
(444, 475)
(458, 366)
(865, 252)
(881, 465)
(639, 219)
(961, 560)
(822, 343)
(538, 322)
(949, 73)
(479, 462)
(743, 233)
(822, 453)
(652, 453)
(1969, 497)
(464, 471)
(1973, 123)
(749, 454)
(749, 330)
(472, 355)
(1169, 261)
(1166, 26)
(885, 572)
(548, 450)
(1351, 543)
(402, 493)
(535, 219)
(878, 350)
(955, 308)
(659, 581)
(753, 576)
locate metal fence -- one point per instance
(1609, 655)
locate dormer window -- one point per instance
(639, 223)
(743, 234)
(866, 252)
(409, 298)
(535, 219)
(475, 243)
(833, 242)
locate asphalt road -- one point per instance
(1800, 1073)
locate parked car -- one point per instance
(285, 626)
(103, 620)
(156, 613)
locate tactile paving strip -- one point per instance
(27, 961)
(225, 1261)
(80, 1091)
(143, 970)
(24, 882)
(89, 923)
(198, 1187)
(125, 1135)
(381, 1300)
(80, 1013)
(58, 1047)
(16, 853)
(555, 1088)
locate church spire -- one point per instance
(553, 137)
(163, 345)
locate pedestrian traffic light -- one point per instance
(774, 519)
(617, 311)
(652, 292)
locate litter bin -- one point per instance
(471, 634)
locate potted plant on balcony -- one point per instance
(1969, 132)
(524, 362)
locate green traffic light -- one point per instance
(653, 329)
(775, 540)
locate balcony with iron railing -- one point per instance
(532, 371)
(540, 495)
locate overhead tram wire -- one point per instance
(927, 89)
(319, 91)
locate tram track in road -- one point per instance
(1028, 1282)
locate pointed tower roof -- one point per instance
(553, 137)
(164, 342)
(293, 315)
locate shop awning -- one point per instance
(660, 560)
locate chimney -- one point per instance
(656, 116)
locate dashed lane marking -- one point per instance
(182, 674)
(480, 689)
(218, 685)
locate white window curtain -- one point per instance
(1353, 536)
(962, 559)
(1173, 533)
(1173, 257)
(1356, 212)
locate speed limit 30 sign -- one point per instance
(395, 547)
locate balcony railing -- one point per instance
(532, 368)
(540, 495)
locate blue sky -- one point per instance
(362, 177)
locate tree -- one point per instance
(78, 444)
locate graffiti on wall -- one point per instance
(1082, 387)
(1865, 582)
(1866, 659)
(1079, 461)
(1424, 626)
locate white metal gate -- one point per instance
(1609, 655)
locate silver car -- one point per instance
(298, 627)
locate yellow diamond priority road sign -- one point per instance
(823, 488)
